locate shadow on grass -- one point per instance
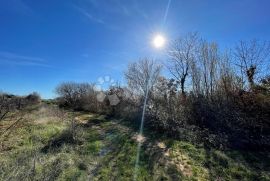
(217, 164)
(94, 121)
(117, 149)
(236, 165)
(66, 137)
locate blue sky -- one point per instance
(43, 43)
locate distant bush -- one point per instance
(33, 98)
(9, 102)
(78, 96)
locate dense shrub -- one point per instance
(240, 120)
(78, 96)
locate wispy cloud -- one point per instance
(139, 10)
(89, 16)
(123, 7)
(17, 6)
(94, 18)
(104, 12)
(15, 59)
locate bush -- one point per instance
(9, 103)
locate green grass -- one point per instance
(228, 165)
(43, 146)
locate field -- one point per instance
(53, 144)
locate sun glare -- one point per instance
(159, 41)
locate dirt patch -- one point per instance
(84, 118)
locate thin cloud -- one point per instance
(16, 56)
(139, 10)
(15, 59)
(95, 19)
(95, 3)
(123, 9)
(126, 8)
(89, 16)
(17, 6)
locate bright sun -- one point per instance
(158, 41)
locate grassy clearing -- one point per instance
(44, 147)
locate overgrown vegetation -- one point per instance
(46, 146)
(209, 121)
(219, 98)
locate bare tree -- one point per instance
(78, 95)
(66, 91)
(142, 75)
(228, 82)
(195, 71)
(181, 55)
(251, 55)
(209, 58)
